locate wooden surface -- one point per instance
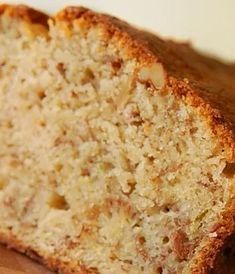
(13, 263)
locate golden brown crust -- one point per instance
(25, 13)
(112, 27)
(202, 82)
(225, 261)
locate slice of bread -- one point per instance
(117, 148)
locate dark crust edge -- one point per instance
(204, 263)
(129, 37)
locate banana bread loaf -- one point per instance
(117, 149)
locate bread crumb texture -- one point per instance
(104, 168)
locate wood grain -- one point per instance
(12, 262)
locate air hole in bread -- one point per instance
(131, 185)
(142, 240)
(61, 69)
(193, 130)
(116, 64)
(166, 208)
(229, 170)
(128, 261)
(42, 123)
(58, 202)
(159, 270)
(88, 77)
(165, 240)
(41, 94)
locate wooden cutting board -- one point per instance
(13, 263)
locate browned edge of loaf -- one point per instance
(202, 85)
(25, 13)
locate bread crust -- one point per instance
(204, 263)
(200, 81)
(25, 13)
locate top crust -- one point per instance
(25, 13)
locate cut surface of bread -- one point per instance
(116, 147)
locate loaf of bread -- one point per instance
(117, 149)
